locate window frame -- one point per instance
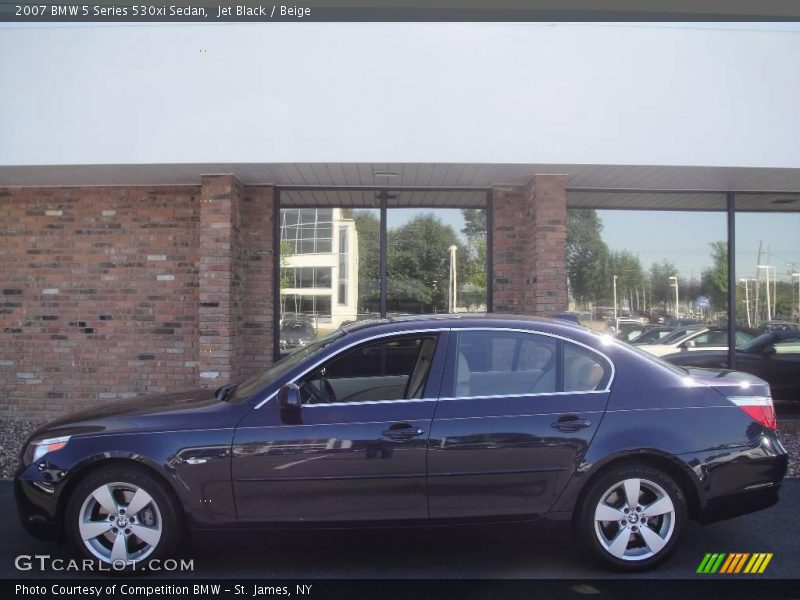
(449, 385)
(307, 377)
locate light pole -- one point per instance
(798, 294)
(674, 281)
(452, 300)
(615, 301)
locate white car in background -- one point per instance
(696, 337)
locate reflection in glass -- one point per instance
(324, 283)
(767, 268)
(422, 276)
(654, 267)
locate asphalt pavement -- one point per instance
(437, 553)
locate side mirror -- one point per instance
(770, 350)
(689, 344)
(289, 397)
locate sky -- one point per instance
(684, 238)
(524, 93)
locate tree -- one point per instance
(714, 280)
(419, 264)
(661, 291)
(473, 276)
(630, 276)
(587, 256)
(368, 229)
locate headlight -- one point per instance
(38, 448)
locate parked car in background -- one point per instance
(774, 356)
(295, 333)
(652, 335)
(414, 421)
(779, 326)
(694, 338)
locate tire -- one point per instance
(121, 515)
(651, 528)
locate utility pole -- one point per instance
(746, 301)
(758, 284)
(615, 301)
(769, 303)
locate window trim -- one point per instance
(442, 330)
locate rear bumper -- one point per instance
(742, 503)
(743, 481)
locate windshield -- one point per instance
(678, 335)
(257, 382)
(674, 368)
(759, 341)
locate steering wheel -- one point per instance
(311, 392)
(316, 396)
(327, 391)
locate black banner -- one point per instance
(419, 589)
(204, 11)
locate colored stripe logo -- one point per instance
(735, 562)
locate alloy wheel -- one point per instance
(120, 523)
(634, 519)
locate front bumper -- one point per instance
(37, 495)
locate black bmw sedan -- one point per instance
(417, 421)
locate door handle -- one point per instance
(402, 431)
(570, 423)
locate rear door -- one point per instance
(517, 414)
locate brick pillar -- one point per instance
(258, 295)
(529, 254)
(546, 277)
(509, 247)
(219, 312)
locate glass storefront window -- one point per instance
(329, 273)
(436, 260)
(330, 261)
(647, 267)
(767, 263)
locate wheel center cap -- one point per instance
(633, 518)
(122, 522)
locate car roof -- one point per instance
(460, 320)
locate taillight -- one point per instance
(759, 408)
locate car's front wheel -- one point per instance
(122, 516)
(632, 517)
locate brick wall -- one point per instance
(529, 261)
(112, 292)
(99, 295)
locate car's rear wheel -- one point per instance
(122, 516)
(632, 517)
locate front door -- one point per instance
(356, 449)
(521, 411)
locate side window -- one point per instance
(584, 371)
(493, 363)
(390, 369)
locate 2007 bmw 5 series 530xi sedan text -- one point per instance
(415, 421)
